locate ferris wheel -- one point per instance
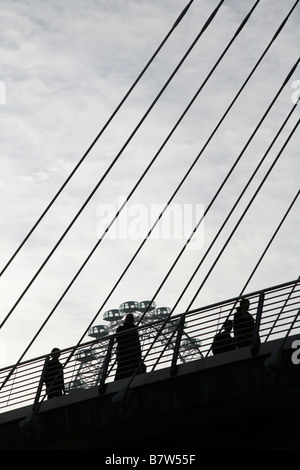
(90, 361)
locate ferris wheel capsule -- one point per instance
(147, 305)
(113, 315)
(160, 313)
(98, 331)
(129, 307)
(85, 355)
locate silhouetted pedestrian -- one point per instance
(223, 341)
(54, 376)
(128, 348)
(243, 325)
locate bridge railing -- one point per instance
(165, 343)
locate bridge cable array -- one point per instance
(207, 23)
(262, 257)
(198, 290)
(220, 188)
(126, 96)
(233, 208)
(244, 213)
(110, 167)
(181, 183)
(166, 140)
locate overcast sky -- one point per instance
(65, 67)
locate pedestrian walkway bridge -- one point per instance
(185, 388)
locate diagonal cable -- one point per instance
(68, 359)
(223, 117)
(107, 171)
(98, 136)
(242, 216)
(24, 352)
(167, 319)
(262, 256)
(223, 183)
(235, 205)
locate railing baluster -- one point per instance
(40, 386)
(25, 384)
(173, 369)
(105, 364)
(255, 339)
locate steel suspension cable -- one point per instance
(223, 183)
(228, 175)
(262, 257)
(40, 329)
(80, 340)
(167, 319)
(98, 136)
(68, 359)
(243, 214)
(234, 206)
(133, 258)
(223, 117)
(107, 171)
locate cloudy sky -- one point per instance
(65, 67)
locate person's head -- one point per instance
(227, 326)
(244, 304)
(129, 318)
(55, 353)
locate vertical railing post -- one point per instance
(40, 386)
(173, 369)
(255, 338)
(105, 365)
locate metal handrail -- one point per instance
(94, 362)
